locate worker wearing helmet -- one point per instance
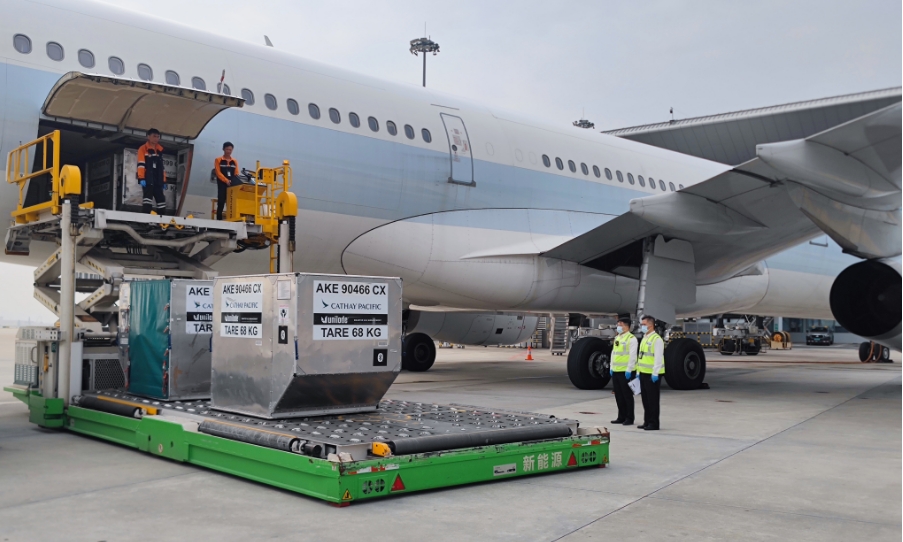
(151, 176)
(623, 363)
(226, 169)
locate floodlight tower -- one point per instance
(424, 45)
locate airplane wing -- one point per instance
(844, 181)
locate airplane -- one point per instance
(489, 217)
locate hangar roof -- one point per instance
(731, 138)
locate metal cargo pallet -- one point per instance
(349, 473)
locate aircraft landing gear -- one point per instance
(589, 363)
(418, 352)
(684, 364)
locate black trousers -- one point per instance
(220, 198)
(623, 396)
(153, 190)
(651, 394)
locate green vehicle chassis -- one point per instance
(337, 482)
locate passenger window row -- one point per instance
(559, 163)
(22, 44)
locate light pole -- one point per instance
(424, 45)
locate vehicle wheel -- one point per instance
(684, 364)
(589, 362)
(884, 356)
(418, 352)
(865, 351)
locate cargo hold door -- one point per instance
(126, 105)
(459, 150)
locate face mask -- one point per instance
(644, 328)
(620, 330)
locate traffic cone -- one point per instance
(529, 353)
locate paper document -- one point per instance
(635, 386)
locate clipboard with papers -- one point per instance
(635, 385)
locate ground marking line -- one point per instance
(720, 460)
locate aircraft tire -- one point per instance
(418, 352)
(589, 362)
(684, 364)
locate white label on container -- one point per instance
(283, 289)
(283, 314)
(241, 310)
(199, 310)
(350, 310)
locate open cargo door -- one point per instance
(126, 104)
(103, 120)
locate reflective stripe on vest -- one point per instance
(620, 352)
(646, 357)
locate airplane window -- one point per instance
(651, 183)
(680, 187)
(620, 177)
(559, 163)
(145, 72)
(86, 58)
(54, 51)
(390, 126)
(314, 110)
(292, 106)
(596, 172)
(248, 96)
(661, 184)
(270, 102)
(572, 166)
(225, 89)
(334, 115)
(608, 174)
(354, 120)
(409, 131)
(630, 178)
(172, 78)
(22, 43)
(426, 135)
(116, 64)
(671, 186)
(198, 83)
(584, 169)
(546, 161)
(374, 124)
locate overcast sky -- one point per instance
(624, 63)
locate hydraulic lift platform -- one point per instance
(284, 453)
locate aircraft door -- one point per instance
(459, 150)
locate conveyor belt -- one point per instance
(407, 427)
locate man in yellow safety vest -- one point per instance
(650, 366)
(623, 363)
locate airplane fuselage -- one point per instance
(463, 221)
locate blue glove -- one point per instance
(143, 183)
(655, 378)
(627, 374)
(611, 372)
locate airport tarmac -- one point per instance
(798, 445)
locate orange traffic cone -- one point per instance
(529, 353)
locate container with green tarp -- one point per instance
(169, 329)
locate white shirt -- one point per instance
(659, 358)
(632, 347)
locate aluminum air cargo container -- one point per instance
(290, 345)
(169, 325)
